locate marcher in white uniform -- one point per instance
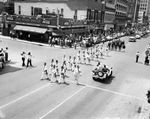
(84, 58)
(44, 72)
(74, 63)
(51, 67)
(53, 74)
(77, 74)
(79, 57)
(69, 65)
(88, 57)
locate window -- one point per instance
(75, 14)
(19, 9)
(62, 11)
(32, 11)
(37, 11)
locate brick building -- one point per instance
(48, 17)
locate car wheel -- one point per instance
(100, 74)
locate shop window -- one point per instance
(75, 14)
(32, 11)
(37, 11)
(62, 11)
(19, 9)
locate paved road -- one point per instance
(24, 96)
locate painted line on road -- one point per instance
(98, 88)
(62, 103)
(18, 99)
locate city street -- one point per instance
(24, 96)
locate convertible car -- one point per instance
(103, 74)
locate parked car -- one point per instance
(132, 39)
(109, 38)
(137, 36)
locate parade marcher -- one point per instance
(29, 59)
(137, 57)
(53, 74)
(74, 63)
(88, 58)
(62, 74)
(79, 57)
(23, 57)
(58, 75)
(77, 74)
(84, 58)
(44, 72)
(65, 67)
(69, 67)
(64, 58)
(56, 64)
(51, 68)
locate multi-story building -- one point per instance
(144, 11)
(144, 6)
(132, 12)
(109, 14)
(121, 14)
(67, 16)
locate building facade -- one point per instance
(109, 14)
(144, 6)
(46, 17)
(121, 14)
(144, 11)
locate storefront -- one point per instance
(40, 29)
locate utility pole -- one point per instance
(136, 2)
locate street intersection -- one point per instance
(24, 96)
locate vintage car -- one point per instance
(132, 39)
(137, 36)
(101, 75)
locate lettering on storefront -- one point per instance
(18, 19)
(26, 20)
(46, 22)
(66, 23)
(36, 21)
(10, 18)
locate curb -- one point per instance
(25, 41)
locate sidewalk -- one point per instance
(25, 41)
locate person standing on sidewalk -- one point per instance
(29, 60)
(6, 54)
(137, 57)
(23, 57)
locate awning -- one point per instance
(56, 34)
(108, 26)
(30, 29)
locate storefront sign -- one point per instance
(66, 23)
(35, 21)
(9, 18)
(46, 22)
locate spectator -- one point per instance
(29, 59)
(23, 58)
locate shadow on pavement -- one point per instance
(146, 36)
(9, 69)
(109, 80)
(106, 81)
